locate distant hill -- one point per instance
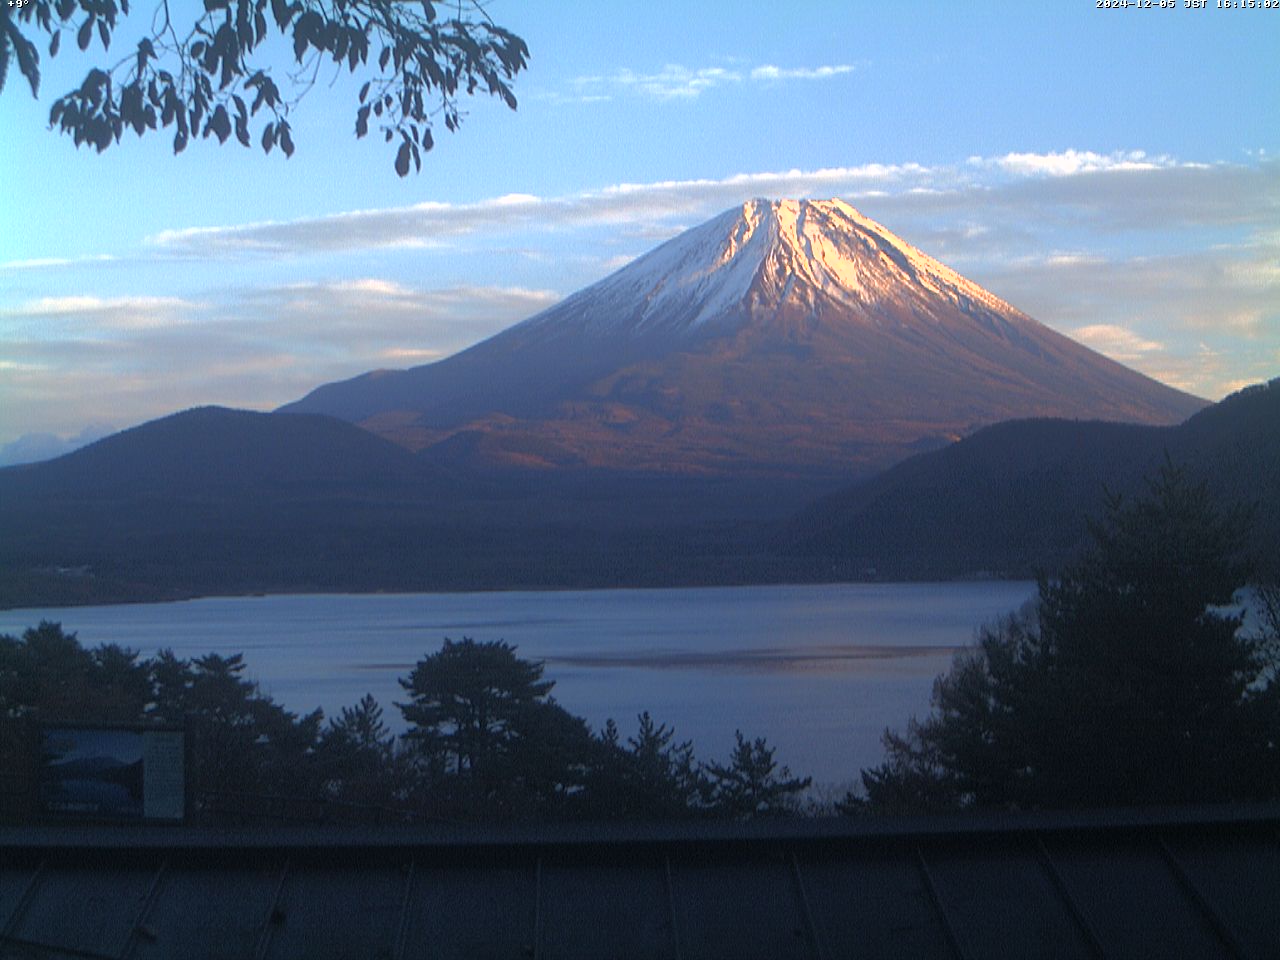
(207, 500)
(790, 337)
(209, 449)
(1013, 497)
(217, 501)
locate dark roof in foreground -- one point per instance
(1165, 883)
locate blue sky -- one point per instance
(1114, 173)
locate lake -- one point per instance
(819, 670)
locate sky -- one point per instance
(1115, 173)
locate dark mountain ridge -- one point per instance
(209, 449)
(1012, 499)
(217, 501)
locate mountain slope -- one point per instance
(1014, 497)
(787, 337)
(208, 449)
(215, 501)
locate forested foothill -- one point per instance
(213, 502)
(1014, 499)
(1143, 673)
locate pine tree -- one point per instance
(1130, 681)
(466, 700)
(752, 785)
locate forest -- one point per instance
(1144, 673)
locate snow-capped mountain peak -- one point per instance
(758, 257)
(789, 335)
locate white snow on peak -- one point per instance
(758, 256)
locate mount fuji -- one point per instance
(780, 338)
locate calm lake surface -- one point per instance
(818, 670)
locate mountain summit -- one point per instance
(781, 337)
(761, 258)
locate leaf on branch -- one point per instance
(170, 110)
(144, 51)
(225, 48)
(283, 13)
(25, 51)
(55, 43)
(85, 34)
(402, 159)
(4, 59)
(244, 28)
(131, 111)
(219, 124)
(307, 31)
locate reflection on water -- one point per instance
(818, 670)
(775, 659)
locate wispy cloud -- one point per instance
(255, 346)
(771, 72)
(624, 203)
(382, 313)
(62, 306)
(435, 223)
(104, 314)
(1197, 320)
(1118, 194)
(41, 263)
(32, 447)
(1071, 162)
(1117, 342)
(675, 81)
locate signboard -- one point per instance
(113, 773)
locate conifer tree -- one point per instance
(1130, 681)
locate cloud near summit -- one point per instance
(1123, 190)
(427, 224)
